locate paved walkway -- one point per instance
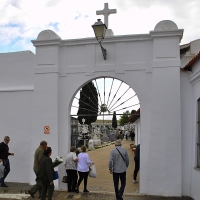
(101, 188)
(104, 181)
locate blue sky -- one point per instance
(22, 20)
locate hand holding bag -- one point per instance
(92, 172)
(64, 180)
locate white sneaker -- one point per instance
(135, 181)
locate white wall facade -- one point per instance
(16, 98)
(137, 131)
(149, 63)
(190, 93)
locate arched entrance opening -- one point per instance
(97, 102)
(112, 95)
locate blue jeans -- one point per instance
(6, 163)
(122, 177)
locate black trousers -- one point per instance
(46, 186)
(122, 177)
(137, 168)
(72, 179)
(83, 175)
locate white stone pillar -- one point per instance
(46, 92)
(164, 155)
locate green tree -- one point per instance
(132, 112)
(88, 104)
(114, 120)
(124, 119)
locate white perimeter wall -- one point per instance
(190, 93)
(16, 100)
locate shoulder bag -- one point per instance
(121, 155)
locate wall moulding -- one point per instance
(17, 89)
(195, 77)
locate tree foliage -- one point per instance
(132, 112)
(124, 119)
(88, 104)
(114, 120)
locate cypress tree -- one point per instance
(114, 120)
(88, 104)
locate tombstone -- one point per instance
(112, 135)
(91, 144)
(96, 140)
(105, 138)
(85, 132)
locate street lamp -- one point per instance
(99, 31)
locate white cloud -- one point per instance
(25, 19)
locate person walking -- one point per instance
(71, 170)
(4, 153)
(126, 134)
(132, 135)
(118, 164)
(37, 157)
(137, 163)
(83, 168)
(45, 174)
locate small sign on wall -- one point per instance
(46, 129)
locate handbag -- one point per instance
(64, 179)
(55, 175)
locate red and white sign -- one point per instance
(46, 129)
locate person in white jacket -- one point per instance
(83, 168)
(71, 166)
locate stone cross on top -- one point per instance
(106, 12)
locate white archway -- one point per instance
(149, 63)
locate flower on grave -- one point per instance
(58, 160)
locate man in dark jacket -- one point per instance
(45, 174)
(4, 153)
(37, 157)
(137, 163)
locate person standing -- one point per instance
(37, 157)
(137, 163)
(126, 134)
(118, 164)
(71, 169)
(4, 153)
(83, 168)
(132, 135)
(45, 174)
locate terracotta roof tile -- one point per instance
(190, 63)
(135, 116)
